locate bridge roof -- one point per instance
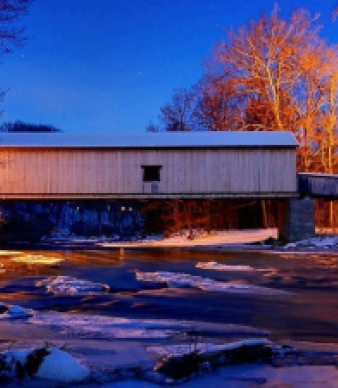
(228, 139)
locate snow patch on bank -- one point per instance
(217, 239)
(48, 363)
(320, 243)
(178, 280)
(61, 366)
(67, 285)
(223, 267)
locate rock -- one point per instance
(3, 309)
(179, 367)
(35, 359)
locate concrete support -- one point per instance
(296, 219)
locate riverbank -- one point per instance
(220, 240)
(129, 364)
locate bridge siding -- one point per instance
(63, 173)
(318, 185)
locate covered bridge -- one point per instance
(147, 166)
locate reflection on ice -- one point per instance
(37, 259)
(10, 253)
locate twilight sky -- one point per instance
(109, 65)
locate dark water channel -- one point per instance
(309, 312)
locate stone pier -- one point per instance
(296, 219)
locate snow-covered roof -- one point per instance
(148, 140)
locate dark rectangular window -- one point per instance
(151, 173)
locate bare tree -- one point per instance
(11, 34)
(270, 74)
(179, 114)
(279, 75)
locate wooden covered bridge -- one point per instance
(156, 166)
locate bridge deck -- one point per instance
(136, 196)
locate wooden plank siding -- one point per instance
(117, 173)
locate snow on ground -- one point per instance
(61, 366)
(67, 285)
(48, 363)
(217, 239)
(251, 376)
(177, 280)
(37, 259)
(223, 267)
(317, 243)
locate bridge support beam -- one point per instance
(296, 219)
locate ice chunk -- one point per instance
(67, 285)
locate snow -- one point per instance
(131, 384)
(319, 242)
(177, 280)
(37, 259)
(250, 376)
(151, 140)
(215, 240)
(67, 285)
(212, 348)
(64, 369)
(61, 366)
(56, 365)
(223, 267)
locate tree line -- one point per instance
(270, 74)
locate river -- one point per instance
(308, 311)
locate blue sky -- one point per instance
(109, 65)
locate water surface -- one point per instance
(309, 312)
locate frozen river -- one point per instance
(294, 296)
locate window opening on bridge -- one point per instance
(151, 173)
